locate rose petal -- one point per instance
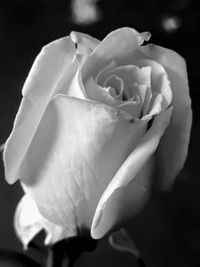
(147, 100)
(100, 78)
(76, 88)
(117, 86)
(29, 222)
(142, 88)
(125, 195)
(97, 93)
(68, 170)
(156, 107)
(159, 80)
(51, 72)
(131, 74)
(113, 48)
(85, 44)
(134, 108)
(174, 146)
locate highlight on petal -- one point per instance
(68, 170)
(156, 107)
(51, 73)
(112, 48)
(174, 145)
(125, 190)
(120, 240)
(29, 222)
(48, 72)
(76, 88)
(147, 100)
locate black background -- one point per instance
(168, 229)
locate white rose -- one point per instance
(95, 124)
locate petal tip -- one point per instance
(97, 219)
(146, 36)
(96, 222)
(74, 36)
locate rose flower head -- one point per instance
(96, 122)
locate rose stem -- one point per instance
(66, 252)
(140, 262)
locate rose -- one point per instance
(95, 124)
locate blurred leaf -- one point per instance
(121, 241)
(15, 259)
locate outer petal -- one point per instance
(128, 192)
(51, 72)
(85, 43)
(29, 222)
(174, 145)
(118, 46)
(68, 169)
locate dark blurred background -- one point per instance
(167, 231)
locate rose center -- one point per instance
(124, 82)
(116, 88)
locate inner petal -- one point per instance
(133, 76)
(103, 95)
(123, 87)
(116, 85)
(101, 76)
(132, 107)
(156, 105)
(159, 80)
(147, 100)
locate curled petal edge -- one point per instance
(128, 171)
(174, 146)
(112, 48)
